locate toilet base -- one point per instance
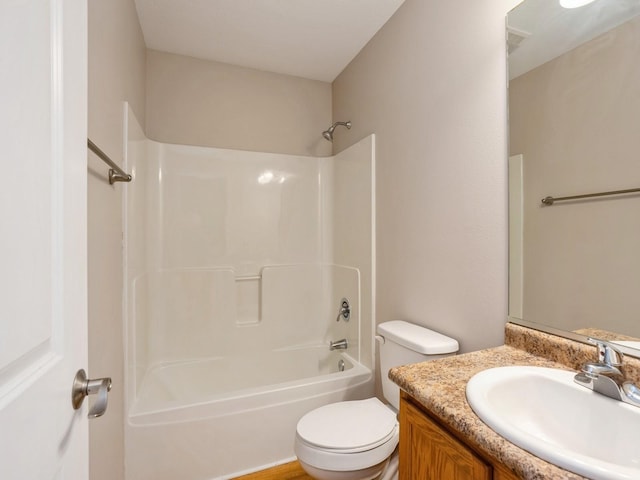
(391, 470)
(371, 473)
(385, 470)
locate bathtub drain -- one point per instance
(341, 365)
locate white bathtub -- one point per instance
(221, 417)
(227, 254)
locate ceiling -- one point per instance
(314, 39)
(540, 30)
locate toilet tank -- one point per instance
(403, 343)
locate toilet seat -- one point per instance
(350, 435)
(348, 427)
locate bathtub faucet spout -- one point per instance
(339, 344)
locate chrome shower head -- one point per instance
(328, 133)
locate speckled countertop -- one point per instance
(439, 386)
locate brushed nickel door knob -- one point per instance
(82, 387)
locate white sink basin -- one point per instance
(544, 412)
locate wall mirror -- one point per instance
(574, 129)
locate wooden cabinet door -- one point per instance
(427, 452)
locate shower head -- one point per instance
(328, 133)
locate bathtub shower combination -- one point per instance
(236, 267)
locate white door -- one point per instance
(43, 287)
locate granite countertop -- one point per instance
(439, 386)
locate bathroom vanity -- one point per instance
(442, 437)
(428, 449)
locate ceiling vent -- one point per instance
(515, 37)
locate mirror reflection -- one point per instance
(574, 127)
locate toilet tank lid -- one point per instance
(417, 338)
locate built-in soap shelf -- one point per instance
(248, 299)
(269, 293)
(253, 295)
(248, 278)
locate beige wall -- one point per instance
(432, 86)
(575, 120)
(116, 73)
(198, 102)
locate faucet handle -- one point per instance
(345, 310)
(607, 353)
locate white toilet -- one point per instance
(356, 440)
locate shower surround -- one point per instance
(236, 263)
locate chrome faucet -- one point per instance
(339, 344)
(605, 376)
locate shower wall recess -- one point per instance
(233, 255)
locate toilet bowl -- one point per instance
(347, 440)
(356, 440)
